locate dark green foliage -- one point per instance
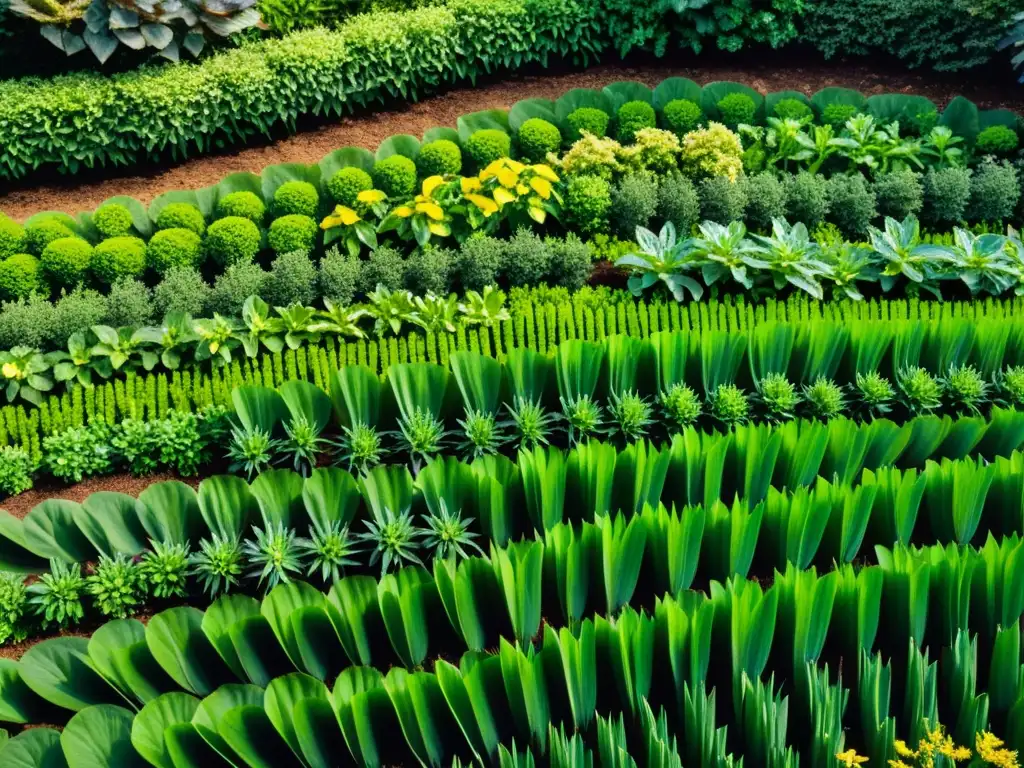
(12, 237)
(65, 261)
(995, 190)
(737, 108)
(996, 140)
(118, 257)
(537, 137)
(766, 199)
(478, 262)
(231, 289)
(347, 183)
(634, 201)
(589, 119)
(16, 469)
(792, 109)
(42, 233)
(682, 116)
(947, 192)
(631, 117)
(722, 200)
(488, 145)
(678, 202)
(20, 276)
(26, 321)
(181, 216)
(232, 240)
(182, 290)
(899, 193)
(112, 220)
(837, 114)
(395, 176)
(294, 232)
(78, 453)
(296, 198)
(129, 303)
(587, 204)
(13, 596)
(247, 205)
(116, 585)
(170, 248)
(807, 198)
(439, 158)
(292, 279)
(81, 308)
(429, 269)
(851, 204)
(571, 261)
(57, 597)
(525, 260)
(338, 276)
(385, 266)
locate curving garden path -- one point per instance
(86, 192)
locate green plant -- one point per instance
(793, 109)
(996, 140)
(395, 176)
(393, 537)
(184, 439)
(77, 453)
(112, 220)
(251, 450)
(947, 192)
(385, 267)
(712, 151)
(662, 260)
(118, 257)
(825, 398)
(181, 290)
(921, 392)
(428, 271)
(779, 397)
(722, 200)
(965, 388)
(293, 232)
(16, 470)
(584, 418)
(737, 109)
(292, 279)
(632, 415)
(477, 264)
(421, 435)
(41, 233)
(329, 550)
(243, 204)
(487, 145)
(173, 248)
(837, 114)
(238, 282)
(571, 261)
(26, 373)
(359, 447)
(899, 194)
(181, 216)
(1011, 384)
(301, 445)
(678, 202)
(20, 276)
(439, 158)
(231, 240)
(766, 197)
(135, 441)
(525, 259)
(164, 570)
(995, 191)
(729, 405)
(682, 116)
(346, 184)
(115, 585)
(129, 303)
(903, 253)
(588, 203)
(875, 392)
(532, 424)
(851, 204)
(13, 608)
(537, 137)
(272, 556)
(587, 120)
(482, 435)
(680, 405)
(296, 198)
(66, 260)
(338, 276)
(217, 564)
(12, 237)
(447, 534)
(486, 309)
(57, 597)
(807, 198)
(631, 117)
(634, 200)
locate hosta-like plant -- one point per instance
(261, 330)
(725, 252)
(982, 262)
(871, 147)
(329, 550)
(435, 313)
(486, 309)
(790, 256)
(272, 555)
(338, 320)
(662, 260)
(849, 264)
(123, 347)
(447, 534)
(390, 309)
(26, 373)
(81, 361)
(217, 337)
(217, 564)
(902, 252)
(394, 538)
(172, 339)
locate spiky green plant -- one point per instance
(165, 570)
(532, 423)
(329, 550)
(13, 607)
(681, 406)
(825, 398)
(272, 556)
(584, 418)
(217, 564)
(116, 585)
(421, 435)
(920, 391)
(779, 397)
(729, 405)
(359, 447)
(632, 415)
(876, 392)
(965, 388)
(482, 435)
(302, 445)
(394, 539)
(448, 534)
(1011, 385)
(251, 450)
(57, 596)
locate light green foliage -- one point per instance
(632, 415)
(439, 158)
(996, 140)
(296, 198)
(428, 271)
(807, 198)
(232, 240)
(421, 436)
(729, 405)
(251, 450)
(532, 424)
(112, 220)
(129, 303)
(995, 191)
(590, 119)
(722, 200)
(347, 183)
(42, 233)
(293, 232)
(537, 137)
(634, 200)
(118, 257)
(778, 396)
(736, 109)
(448, 536)
(181, 216)
(899, 193)
(682, 116)
(13, 608)
(359, 448)
(712, 151)
(385, 266)
(338, 276)
(678, 202)
(245, 204)
(217, 564)
(273, 556)
(851, 204)
(680, 406)
(631, 117)
(12, 237)
(81, 308)
(792, 109)
(488, 145)
(1011, 383)
(654, 150)
(116, 585)
(134, 440)
(478, 262)
(825, 398)
(16, 469)
(481, 435)
(292, 280)
(57, 597)
(584, 418)
(20, 276)
(78, 453)
(837, 114)
(965, 389)
(588, 203)
(395, 176)
(876, 392)
(947, 192)
(329, 550)
(164, 570)
(920, 391)
(181, 290)
(393, 537)
(592, 156)
(766, 197)
(65, 261)
(171, 248)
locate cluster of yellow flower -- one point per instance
(938, 744)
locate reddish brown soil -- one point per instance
(20, 505)
(768, 74)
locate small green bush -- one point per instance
(395, 176)
(42, 233)
(81, 308)
(807, 199)
(129, 303)
(292, 279)
(653, 150)
(293, 232)
(346, 184)
(478, 262)
(634, 200)
(836, 115)
(232, 240)
(182, 290)
(439, 158)
(678, 202)
(921, 123)
(245, 204)
(851, 204)
(112, 220)
(737, 108)
(996, 140)
(429, 270)
(766, 200)
(525, 260)
(26, 321)
(240, 280)
(16, 468)
(338, 276)
(173, 248)
(12, 237)
(899, 193)
(537, 137)
(947, 192)
(631, 117)
(588, 200)
(682, 116)
(792, 109)
(722, 200)
(20, 276)
(488, 145)
(296, 197)
(384, 267)
(571, 261)
(118, 257)
(65, 261)
(995, 190)
(590, 119)
(181, 216)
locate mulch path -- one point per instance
(316, 139)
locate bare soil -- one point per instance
(316, 139)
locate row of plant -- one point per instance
(299, 639)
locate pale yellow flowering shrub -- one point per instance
(712, 151)
(590, 156)
(652, 150)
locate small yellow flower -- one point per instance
(342, 216)
(850, 758)
(503, 196)
(902, 749)
(469, 184)
(897, 764)
(430, 184)
(11, 371)
(545, 172)
(403, 211)
(371, 196)
(433, 210)
(485, 204)
(439, 228)
(541, 186)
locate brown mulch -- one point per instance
(20, 505)
(767, 73)
(17, 650)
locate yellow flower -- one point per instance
(990, 750)
(545, 172)
(371, 196)
(541, 186)
(403, 211)
(485, 204)
(430, 184)
(10, 371)
(439, 228)
(502, 196)
(522, 189)
(342, 216)
(537, 213)
(214, 346)
(850, 758)
(897, 764)
(433, 210)
(902, 749)
(469, 184)
(505, 169)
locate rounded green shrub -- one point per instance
(682, 116)
(525, 259)
(852, 205)
(236, 284)
(588, 200)
(181, 216)
(590, 119)
(245, 204)
(171, 248)
(836, 115)
(385, 266)
(947, 192)
(737, 108)
(631, 117)
(20, 276)
(292, 279)
(112, 220)
(129, 302)
(118, 257)
(488, 145)
(347, 183)
(537, 137)
(766, 200)
(181, 290)
(721, 200)
(292, 233)
(296, 197)
(792, 109)
(996, 140)
(65, 261)
(337, 276)
(478, 262)
(807, 199)
(429, 270)
(232, 240)
(995, 190)
(634, 200)
(571, 261)
(395, 176)
(42, 233)
(678, 203)
(439, 158)
(12, 237)
(899, 193)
